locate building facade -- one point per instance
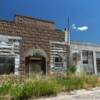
(28, 45)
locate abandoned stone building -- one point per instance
(30, 45)
(34, 45)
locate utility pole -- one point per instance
(68, 30)
(67, 39)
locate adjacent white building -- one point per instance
(86, 56)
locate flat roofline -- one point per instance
(85, 43)
(38, 19)
(4, 20)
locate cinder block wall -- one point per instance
(34, 33)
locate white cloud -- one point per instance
(81, 28)
(74, 26)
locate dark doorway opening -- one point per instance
(35, 64)
(7, 64)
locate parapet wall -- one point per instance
(34, 22)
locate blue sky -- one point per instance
(81, 12)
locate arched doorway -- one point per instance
(35, 61)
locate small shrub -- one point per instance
(71, 69)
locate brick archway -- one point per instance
(35, 61)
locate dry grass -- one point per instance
(12, 86)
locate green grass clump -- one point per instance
(29, 88)
(71, 83)
(4, 87)
(44, 87)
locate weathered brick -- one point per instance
(34, 32)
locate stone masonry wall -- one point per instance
(33, 35)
